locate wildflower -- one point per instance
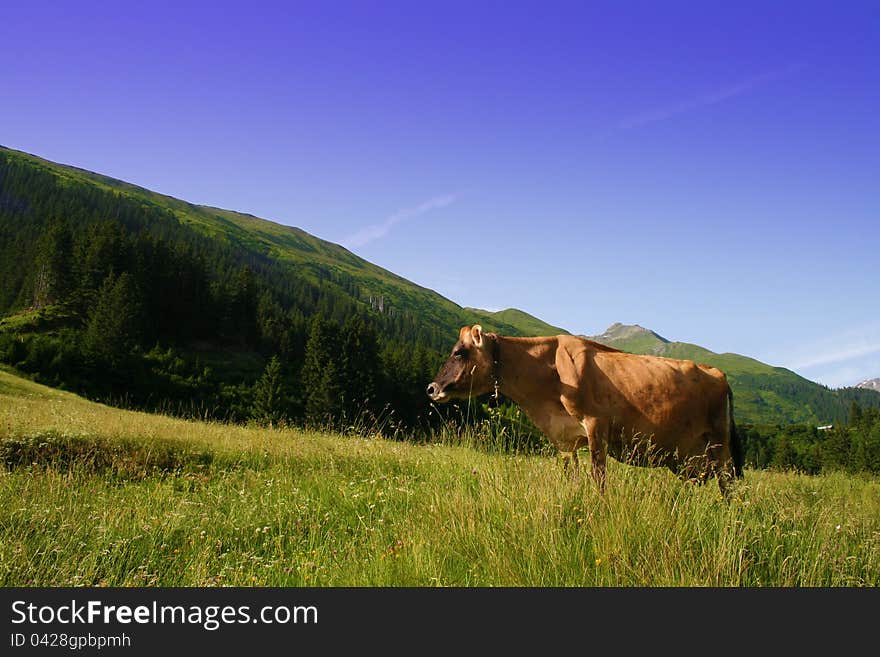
(598, 561)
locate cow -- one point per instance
(643, 410)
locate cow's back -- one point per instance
(644, 394)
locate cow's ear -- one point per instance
(477, 335)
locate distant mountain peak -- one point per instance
(870, 384)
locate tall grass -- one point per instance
(91, 495)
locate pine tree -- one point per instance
(360, 367)
(321, 372)
(784, 456)
(52, 272)
(837, 449)
(114, 325)
(855, 414)
(269, 395)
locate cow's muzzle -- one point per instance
(435, 392)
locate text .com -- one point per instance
(210, 617)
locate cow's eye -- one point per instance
(459, 354)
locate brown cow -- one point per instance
(645, 410)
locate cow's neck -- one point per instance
(525, 365)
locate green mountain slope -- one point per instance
(309, 257)
(219, 292)
(763, 394)
(524, 323)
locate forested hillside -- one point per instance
(147, 301)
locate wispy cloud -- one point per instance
(663, 112)
(844, 376)
(836, 356)
(839, 355)
(376, 231)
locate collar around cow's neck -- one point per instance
(496, 367)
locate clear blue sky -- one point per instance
(709, 170)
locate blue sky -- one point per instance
(708, 170)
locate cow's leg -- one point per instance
(565, 459)
(726, 477)
(718, 450)
(570, 458)
(597, 439)
(598, 451)
(720, 464)
(567, 435)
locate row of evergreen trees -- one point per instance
(853, 446)
(347, 378)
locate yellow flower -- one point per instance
(598, 561)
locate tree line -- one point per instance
(851, 446)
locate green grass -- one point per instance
(91, 495)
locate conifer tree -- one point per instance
(785, 456)
(114, 325)
(359, 366)
(269, 395)
(52, 265)
(321, 372)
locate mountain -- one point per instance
(124, 294)
(133, 297)
(870, 384)
(634, 339)
(763, 394)
(300, 254)
(521, 321)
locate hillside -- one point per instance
(521, 321)
(303, 255)
(139, 298)
(763, 394)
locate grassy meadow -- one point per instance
(92, 495)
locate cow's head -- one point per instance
(468, 371)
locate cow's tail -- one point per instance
(736, 448)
